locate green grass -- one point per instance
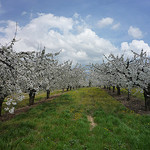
(62, 124)
(134, 93)
(39, 96)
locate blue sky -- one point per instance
(83, 29)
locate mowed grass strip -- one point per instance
(62, 124)
(25, 102)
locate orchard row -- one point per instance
(124, 73)
(22, 72)
(34, 71)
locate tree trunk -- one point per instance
(63, 90)
(90, 83)
(1, 102)
(147, 98)
(31, 96)
(118, 90)
(47, 93)
(113, 89)
(70, 88)
(109, 88)
(129, 94)
(104, 87)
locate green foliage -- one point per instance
(62, 124)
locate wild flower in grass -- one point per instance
(77, 116)
(71, 110)
(106, 129)
(127, 111)
(123, 111)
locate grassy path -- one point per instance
(63, 124)
(23, 109)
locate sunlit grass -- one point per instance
(62, 124)
(135, 92)
(25, 102)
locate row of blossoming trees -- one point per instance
(124, 73)
(33, 71)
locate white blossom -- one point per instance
(11, 111)
(6, 108)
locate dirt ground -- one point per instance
(135, 104)
(92, 123)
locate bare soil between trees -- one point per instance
(8, 116)
(134, 104)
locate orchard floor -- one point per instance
(8, 116)
(83, 119)
(135, 103)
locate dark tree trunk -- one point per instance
(31, 96)
(118, 90)
(63, 89)
(70, 88)
(109, 88)
(104, 87)
(129, 94)
(47, 93)
(2, 97)
(90, 83)
(1, 103)
(147, 98)
(113, 89)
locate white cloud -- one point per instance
(9, 33)
(76, 15)
(23, 13)
(136, 46)
(135, 32)
(31, 15)
(105, 22)
(58, 32)
(88, 16)
(116, 26)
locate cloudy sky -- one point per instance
(83, 30)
